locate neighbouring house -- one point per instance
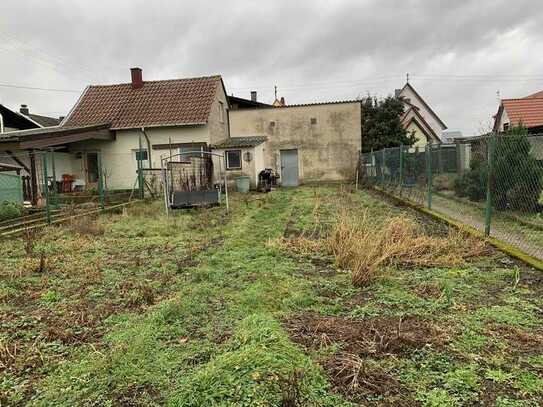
(43, 121)
(279, 102)
(12, 160)
(237, 103)
(303, 143)
(420, 118)
(11, 120)
(527, 111)
(114, 120)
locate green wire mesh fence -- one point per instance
(38, 188)
(493, 183)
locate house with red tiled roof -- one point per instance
(127, 122)
(526, 111)
(419, 118)
(115, 127)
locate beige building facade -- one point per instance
(321, 142)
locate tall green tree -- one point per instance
(381, 124)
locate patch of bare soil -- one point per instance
(351, 370)
(520, 341)
(366, 337)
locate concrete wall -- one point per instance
(328, 150)
(218, 125)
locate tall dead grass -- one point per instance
(366, 247)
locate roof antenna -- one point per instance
(498, 95)
(407, 77)
(275, 87)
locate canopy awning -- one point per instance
(55, 136)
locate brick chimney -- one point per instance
(137, 78)
(253, 96)
(24, 109)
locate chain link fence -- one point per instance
(38, 188)
(492, 183)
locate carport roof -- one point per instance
(241, 142)
(57, 135)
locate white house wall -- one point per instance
(248, 168)
(503, 119)
(119, 158)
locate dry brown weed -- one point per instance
(367, 247)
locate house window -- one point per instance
(505, 126)
(313, 120)
(190, 151)
(221, 112)
(141, 155)
(233, 159)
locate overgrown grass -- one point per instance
(366, 247)
(199, 309)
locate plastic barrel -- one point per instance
(242, 184)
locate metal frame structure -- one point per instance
(168, 194)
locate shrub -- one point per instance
(10, 210)
(518, 175)
(473, 183)
(517, 178)
(443, 182)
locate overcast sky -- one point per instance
(459, 53)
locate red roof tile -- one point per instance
(157, 103)
(535, 95)
(528, 111)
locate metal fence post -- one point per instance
(140, 171)
(429, 174)
(383, 167)
(46, 189)
(489, 178)
(401, 166)
(101, 181)
(373, 166)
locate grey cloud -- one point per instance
(314, 50)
